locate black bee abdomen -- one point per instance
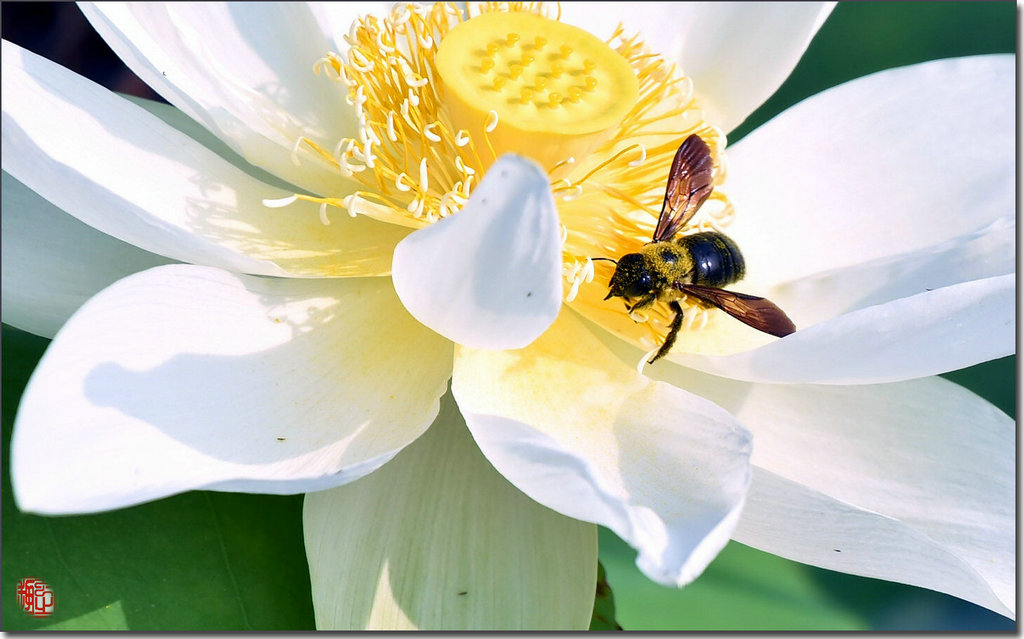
(717, 260)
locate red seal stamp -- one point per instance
(35, 597)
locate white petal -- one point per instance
(850, 203)
(490, 275)
(910, 481)
(925, 334)
(52, 263)
(788, 519)
(987, 252)
(437, 540)
(243, 70)
(736, 53)
(121, 170)
(177, 119)
(891, 230)
(581, 432)
(184, 377)
(884, 165)
(827, 296)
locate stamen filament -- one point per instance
(417, 160)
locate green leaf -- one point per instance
(109, 617)
(198, 561)
(742, 589)
(604, 604)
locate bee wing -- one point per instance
(689, 184)
(754, 311)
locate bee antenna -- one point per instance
(606, 259)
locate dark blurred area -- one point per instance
(59, 31)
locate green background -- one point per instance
(216, 561)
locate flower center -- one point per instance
(438, 99)
(534, 86)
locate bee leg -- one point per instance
(670, 339)
(643, 302)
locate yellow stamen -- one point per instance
(437, 99)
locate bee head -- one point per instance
(631, 278)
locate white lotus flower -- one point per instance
(276, 357)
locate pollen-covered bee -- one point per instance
(697, 265)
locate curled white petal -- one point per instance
(488, 276)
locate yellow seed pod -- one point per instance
(549, 129)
